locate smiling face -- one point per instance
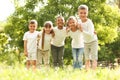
(83, 13)
(60, 22)
(48, 28)
(32, 27)
(72, 23)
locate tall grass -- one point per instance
(19, 72)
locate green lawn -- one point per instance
(19, 72)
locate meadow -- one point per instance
(19, 72)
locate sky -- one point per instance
(6, 8)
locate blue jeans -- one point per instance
(77, 54)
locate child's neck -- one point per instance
(47, 33)
(60, 27)
(73, 29)
(31, 31)
(84, 20)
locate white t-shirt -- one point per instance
(31, 41)
(88, 31)
(59, 38)
(77, 39)
(47, 40)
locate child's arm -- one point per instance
(80, 28)
(68, 29)
(52, 32)
(90, 29)
(25, 48)
(38, 39)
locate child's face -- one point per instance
(72, 23)
(32, 27)
(47, 29)
(83, 13)
(60, 22)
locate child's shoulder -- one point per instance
(27, 32)
(89, 20)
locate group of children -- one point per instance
(39, 45)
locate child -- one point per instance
(90, 38)
(57, 43)
(77, 42)
(30, 44)
(44, 44)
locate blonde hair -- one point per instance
(83, 6)
(71, 17)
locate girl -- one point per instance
(44, 40)
(77, 42)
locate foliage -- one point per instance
(105, 18)
(106, 54)
(115, 46)
(9, 54)
(3, 41)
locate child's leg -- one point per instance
(28, 64)
(54, 55)
(74, 54)
(60, 56)
(46, 58)
(39, 58)
(94, 64)
(87, 64)
(87, 56)
(94, 54)
(80, 57)
(33, 64)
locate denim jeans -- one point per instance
(57, 55)
(77, 54)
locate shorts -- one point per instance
(32, 56)
(91, 50)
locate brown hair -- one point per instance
(33, 22)
(47, 24)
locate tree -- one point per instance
(105, 17)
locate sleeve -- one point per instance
(90, 31)
(25, 36)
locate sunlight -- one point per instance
(6, 8)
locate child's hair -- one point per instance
(33, 22)
(83, 7)
(59, 16)
(50, 25)
(71, 17)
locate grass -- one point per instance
(19, 72)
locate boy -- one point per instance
(57, 43)
(90, 38)
(30, 44)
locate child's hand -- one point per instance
(52, 32)
(26, 53)
(68, 29)
(80, 28)
(95, 32)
